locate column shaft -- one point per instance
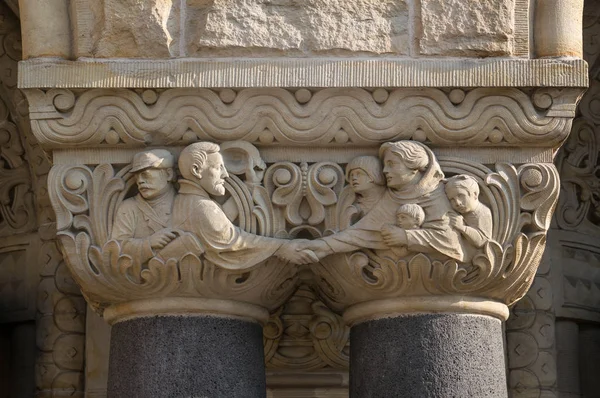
(186, 356)
(428, 355)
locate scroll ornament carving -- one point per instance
(579, 207)
(413, 227)
(475, 117)
(17, 212)
(306, 335)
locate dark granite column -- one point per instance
(428, 355)
(187, 357)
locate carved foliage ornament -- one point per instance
(476, 117)
(17, 213)
(405, 224)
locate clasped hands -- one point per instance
(302, 251)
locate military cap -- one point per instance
(155, 158)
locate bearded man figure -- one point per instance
(224, 244)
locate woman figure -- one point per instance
(365, 177)
(413, 175)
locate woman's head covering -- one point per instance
(415, 156)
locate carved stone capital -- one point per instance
(521, 200)
(289, 156)
(189, 272)
(480, 255)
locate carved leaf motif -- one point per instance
(272, 332)
(285, 182)
(540, 183)
(330, 336)
(264, 213)
(579, 206)
(85, 199)
(325, 181)
(507, 197)
(243, 201)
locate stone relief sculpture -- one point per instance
(203, 171)
(474, 221)
(413, 177)
(365, 175)
(406, 223)
(142, 222)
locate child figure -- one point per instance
(409, 216)
(475, 219)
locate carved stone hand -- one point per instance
(318, 247)
(161, 238)
(394, 236)
(293, 253)
(456, 221)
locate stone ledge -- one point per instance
(290, 72)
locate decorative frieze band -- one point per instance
(332, 117)
(301, 72)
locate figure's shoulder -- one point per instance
(128, 205)
(184, 202)
(483, 210)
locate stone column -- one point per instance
(195, 354)
(427, 354)
(185, 289)
(429, 322)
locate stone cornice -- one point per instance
(302, 72)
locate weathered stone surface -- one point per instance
(467, 28)
(294, 26)
(558, 28)
(136, 28)
(178, 356)
(429, 355)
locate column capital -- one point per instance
(405, 194)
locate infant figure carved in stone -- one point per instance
(408, 216)
(413, 175)
(474, 221)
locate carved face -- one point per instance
(360, 180)
(153, 182)
(405, 221)
(461, 199)
(397, 174)
(213, 174)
